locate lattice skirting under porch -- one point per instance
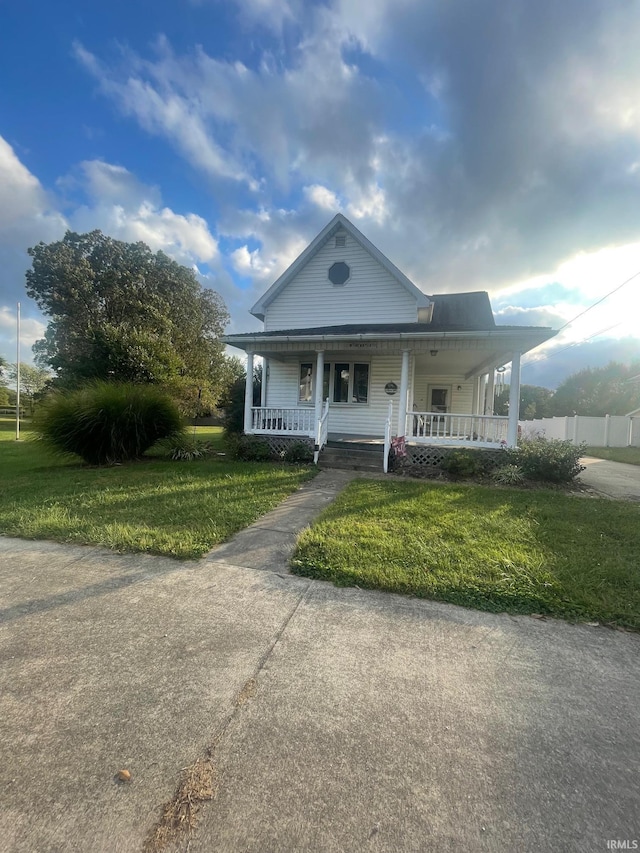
(424, 456)
(279, 444)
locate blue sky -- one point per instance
(479, 144)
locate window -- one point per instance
(339, 273)
(438, 397)
(305, 394)
(342, 382)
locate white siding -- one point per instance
(282, 390)
(282, 384)
(461, 401)
(371, 295)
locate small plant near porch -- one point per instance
(548, 461)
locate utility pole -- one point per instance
(18, 373)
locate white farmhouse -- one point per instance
(352, 348)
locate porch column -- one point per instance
(476, 396)
(265, 379)
(491, 393)
(319, 384)
(404, 391)
(514, 401)
(248, 392)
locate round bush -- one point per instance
(298, 452)
(548, 460)
(107, 422)
(462, 463)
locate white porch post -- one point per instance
(265, 379)
(514, 401)
(319, 384)
(476, 396)
(248, 392)
(491, 393)
(404, 389)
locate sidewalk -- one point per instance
(329, 719)
(269, 541)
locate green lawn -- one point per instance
(180, 509)
(493, 549)
(630, 455)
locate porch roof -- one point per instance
(463, 351)
(527, 336)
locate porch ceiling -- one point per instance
(462, 353)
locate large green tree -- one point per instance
(599, 391)
(120, 311)
(534, 402)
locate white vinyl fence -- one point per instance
(610, 431)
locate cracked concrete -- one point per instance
(374, 721)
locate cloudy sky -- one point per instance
(480, 144)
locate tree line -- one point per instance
(610, 390)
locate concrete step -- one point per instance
(351, 459)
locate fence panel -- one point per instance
(622, 431)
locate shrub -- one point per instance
(183, 448)
(107, 422)
(298, 452)
(462, 463)
(548, 460)
(508, 475)
(251, 448)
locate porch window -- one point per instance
(342, 382)
(305, 393)
(341, 377)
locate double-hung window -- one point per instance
(342, 382)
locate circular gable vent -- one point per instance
(339, 273)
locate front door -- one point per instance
(439, 398)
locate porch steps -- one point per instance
(352, 456)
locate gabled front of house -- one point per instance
(352, 347)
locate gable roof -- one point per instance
(339, 221)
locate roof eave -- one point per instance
(542, 333)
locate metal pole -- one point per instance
(18, 373)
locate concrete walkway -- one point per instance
(329, 719)
(613, 479)
(268, 543)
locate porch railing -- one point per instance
(439, 428)
(294, 421)
(322, 432)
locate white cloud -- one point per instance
(26, 213)
(31, 330)
(123, 207)
(161, 111)
(322, 197)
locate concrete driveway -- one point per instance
(335, 720)
(614, 479)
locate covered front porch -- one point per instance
(415, 386)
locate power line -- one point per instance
(606, 296)
(574, 344)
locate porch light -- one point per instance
(434, 352)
